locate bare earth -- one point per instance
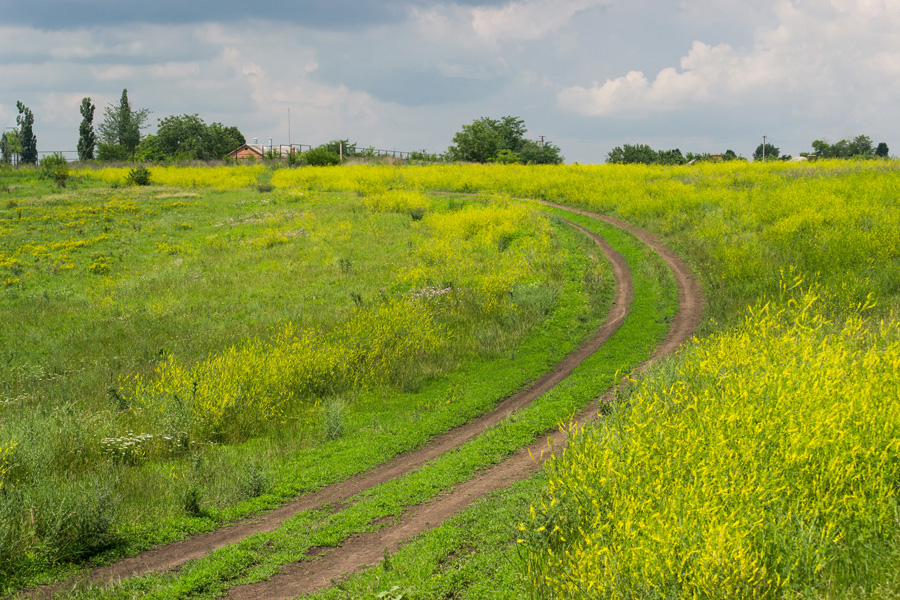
(363, 550)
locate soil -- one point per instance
(363, 550)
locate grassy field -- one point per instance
(175, 358)
(761, 462)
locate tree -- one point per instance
(671, 157)
(27, 140)
(86, 137)
(9, 146)
(121, 127)
(860, 146)
(532, 153)
(770, 152)
(478, 142)
(882, 150)
(500, 140)
(628, 154)
(342, 148)
(187, 137)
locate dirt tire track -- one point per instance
(363, 550)
(174, 555)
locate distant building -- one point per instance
(258, 151)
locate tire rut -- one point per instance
(173, 556)
(363, 550)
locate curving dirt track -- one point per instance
(366, 549)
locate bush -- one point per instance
(138, 176)
(56, 167)
(321, 157)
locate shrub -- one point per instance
(321, 157)
(138, 176)
(56, 167)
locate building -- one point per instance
(258, 151)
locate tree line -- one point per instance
(860, 147)
(118, 137)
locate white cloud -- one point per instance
(815, 53)
(487, 26)
(527, 20)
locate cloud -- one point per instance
(487, 26)
(527, 20)
(819, 56)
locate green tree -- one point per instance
(341, 148)
(188, 137)
(670, 157)
(27, 140)
(771, 152)
(500, 140)
(9, 146)
(861, 146)
(533, 153)
(121, 127)
(86, 138)
(478, 142)
(636, 154)
(882, 150)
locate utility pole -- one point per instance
(764, 148)
(542, 142)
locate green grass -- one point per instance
(258, 557)
(152, 303)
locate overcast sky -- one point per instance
(699, 75)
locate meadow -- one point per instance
(179, 357)
(761, 462)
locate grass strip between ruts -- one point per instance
(258, 557)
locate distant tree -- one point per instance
(670, 157)
(478, 142)
(636, 154)
(533, 153)
(882, 150)
(121, 127)
(86, 137)
(771, 152)
(822, 149)
(9, 146)
(27, 140)
(342, 148)
(861, 146)
(729, 155)
(500, 140)
(187, 137)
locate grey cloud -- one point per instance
(339, 15)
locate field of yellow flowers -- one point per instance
(761, 462)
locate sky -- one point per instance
(587, 75)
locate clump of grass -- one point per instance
(333, 418)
